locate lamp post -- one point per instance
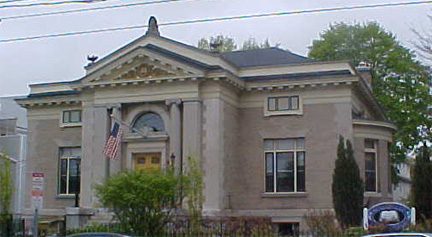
(172, 158)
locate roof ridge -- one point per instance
(248, 50)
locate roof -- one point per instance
(187, 60)
(298, 75)
(9, 109)
(264, 57)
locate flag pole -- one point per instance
(128, 125)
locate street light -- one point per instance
(172, 158)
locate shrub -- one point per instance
(322, 223)
(143, 201)
(354, 232)
(421, 190)
(377, 228)
(96, 228)
(347, 187)
(6, 190)
(424, 226)
(249, 226)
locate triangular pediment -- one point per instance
(146, 71)
(141, 64)
(142, 67)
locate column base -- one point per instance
(77, 217)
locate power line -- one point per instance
(50, 3)
(242, 17)
(9, 1)
(88, 9)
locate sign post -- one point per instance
(37, 198)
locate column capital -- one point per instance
(108, 105)
(169, 102)
(187, 100)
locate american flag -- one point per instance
(112, 146)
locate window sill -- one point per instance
(70, 125)
(287, 112)
(283, 195)
(65, 196)
(372, 194)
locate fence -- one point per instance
(12, 227)
(222, 227)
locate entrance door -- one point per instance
(146, 161)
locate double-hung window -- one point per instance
(285, 165)
(69, 170)
(71, 117)
(371, 163)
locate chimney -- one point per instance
(153, 27)
(365, 72)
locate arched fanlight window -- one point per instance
(152, 121)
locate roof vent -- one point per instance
(153, 27)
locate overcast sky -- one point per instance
(62, 59)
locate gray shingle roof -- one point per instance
(264, 57)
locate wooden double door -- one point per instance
(146, 161)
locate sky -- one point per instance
(63, 58)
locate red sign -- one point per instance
(37, 190)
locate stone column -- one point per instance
(95, 129)
(115, 165)
(192, 116)
(384, 170)
(175, 132)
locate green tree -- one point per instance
(421, 190)
(6, 190)
(347, 187)
(400, 82)
(143, 201)
(222, 43)
(218, 43)
(251, 43)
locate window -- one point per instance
(69, 170)
(371, 174)
(283, 103)
(289, 229)
(150, 121)
(285, 165)
(72, 116)
(8, 127)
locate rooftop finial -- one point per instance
(152, 26)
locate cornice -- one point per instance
(375, 123)
(300, 83)
(147, 81)
(48, 102)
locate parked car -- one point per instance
(98, 234)
(400, 234)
